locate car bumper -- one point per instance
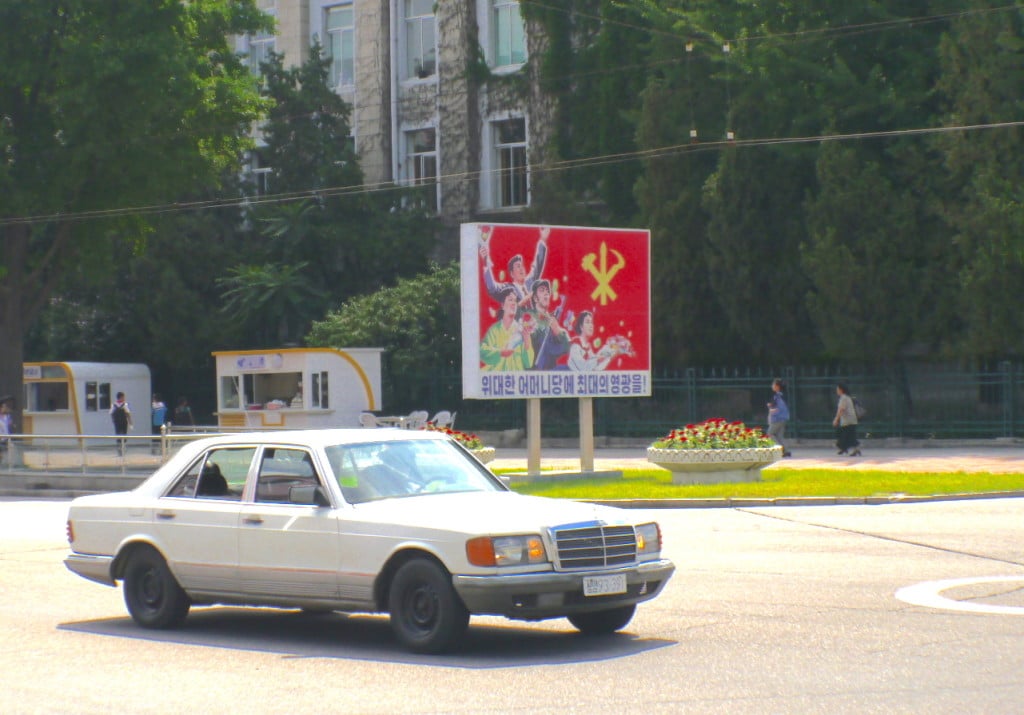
(90, 566)
(554, 594)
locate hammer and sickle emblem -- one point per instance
(603, 274)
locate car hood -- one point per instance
(487, 512)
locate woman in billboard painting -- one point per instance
(584, 355)
(507, 346)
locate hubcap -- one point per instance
(423, 607)
(150, 589)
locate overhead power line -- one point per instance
(566, 165)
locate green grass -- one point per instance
(779, 482)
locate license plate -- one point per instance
(604, 585)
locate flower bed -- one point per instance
(714, 451)
(470, 441)
(484, 454)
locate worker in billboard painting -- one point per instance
(520, 280)
(550, 339)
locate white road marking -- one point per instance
(929, 595)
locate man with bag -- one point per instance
(121, 416)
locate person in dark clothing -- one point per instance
(846, 423)
(778, 415)
(121, 416)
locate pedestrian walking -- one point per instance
(183, 413)
(121, 416)
(6, 421)
(159, 420)
(846, 423)
(778, 415)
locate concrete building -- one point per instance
(441, 92)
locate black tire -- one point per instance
(427, 615)
(597, 623)
(152, 594)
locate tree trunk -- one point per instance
(12, 316)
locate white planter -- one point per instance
(714, 466)
(484, 454)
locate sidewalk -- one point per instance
(967, 458)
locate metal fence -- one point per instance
(63, 453)
(914, 401)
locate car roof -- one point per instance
(319, 437)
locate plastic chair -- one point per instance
(367, 420)
(442, 418)
(416, 419)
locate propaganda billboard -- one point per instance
(555, 311)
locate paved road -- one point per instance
(772, 610)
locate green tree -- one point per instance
(870, 273)
(982, 83)
(320, 239)
(274, 296)
(416, 321)
(106, 107)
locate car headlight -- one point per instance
(506, 550)
(648, 539)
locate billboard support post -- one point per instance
(533, 436)
(586, 434)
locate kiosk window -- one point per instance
(46, 396)
(97, 396)
(260, 390)
(320, 391)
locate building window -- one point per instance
(259, 174)
(341, 44)
(421, 158)
(260, 47)
(508, 39)
(420, 43)
(510, 162)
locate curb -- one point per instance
(747, 502)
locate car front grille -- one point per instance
(588, 546)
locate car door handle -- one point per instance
(252, 520)
(165, 515)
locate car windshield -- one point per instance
(382, 470)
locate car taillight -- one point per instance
(71, 533)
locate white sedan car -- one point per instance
(395, 521)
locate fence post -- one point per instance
(1006, 378)
(691, 393)
(789, 377)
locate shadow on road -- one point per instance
(294, 634)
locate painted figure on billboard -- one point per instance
(550, 339)
(520, 281)
(507, 345)
(585, 354)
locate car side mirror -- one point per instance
(312, 494)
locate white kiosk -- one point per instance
(75, 397)
(296, 388)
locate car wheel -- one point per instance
(598, 623)
(427, 615)
(153, 596)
